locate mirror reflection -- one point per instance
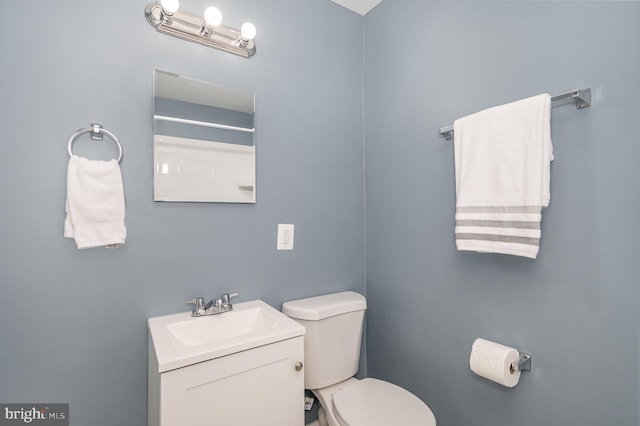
(203, 138)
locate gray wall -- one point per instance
(575, 308)
(73, 323)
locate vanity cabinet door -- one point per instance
(255, 387)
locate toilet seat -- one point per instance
(374, 402)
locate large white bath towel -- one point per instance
(95, 203)
(502, 161)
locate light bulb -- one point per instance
(212, 17)
(170, 6)
(248, 31)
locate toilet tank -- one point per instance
(333, 325)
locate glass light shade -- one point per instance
(248, 31)
(212, 16)
(170, 6)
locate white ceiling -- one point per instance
(359, 6)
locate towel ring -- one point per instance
(96, 134)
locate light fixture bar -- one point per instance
(186, 26)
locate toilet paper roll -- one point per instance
(495, 362)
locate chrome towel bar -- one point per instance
(581, 97)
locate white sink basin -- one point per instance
(180, 340)
(214, 328)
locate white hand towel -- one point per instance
(502, 160)
(95, 203)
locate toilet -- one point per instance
(333, 325)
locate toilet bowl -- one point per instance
(371, 402)
(333, 325)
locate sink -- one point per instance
(180, 339)
(214, 328)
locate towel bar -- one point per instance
(96, 134)
(581, 97)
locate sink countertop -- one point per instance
(180, 339)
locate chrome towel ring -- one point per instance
(96, 134)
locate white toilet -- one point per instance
(331, 355)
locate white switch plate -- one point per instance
(285, 236)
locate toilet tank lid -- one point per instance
(328, 305)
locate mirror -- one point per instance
(203, 141)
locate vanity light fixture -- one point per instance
(208, 30)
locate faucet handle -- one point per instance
(227, 296)
(199, 302)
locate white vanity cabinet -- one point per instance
(235, 383)
(261, 386)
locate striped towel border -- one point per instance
(511, 230)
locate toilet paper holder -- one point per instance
(524, 363)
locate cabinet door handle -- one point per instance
(299, 366)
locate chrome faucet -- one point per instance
(215, 306)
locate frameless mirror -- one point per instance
(203, 141)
